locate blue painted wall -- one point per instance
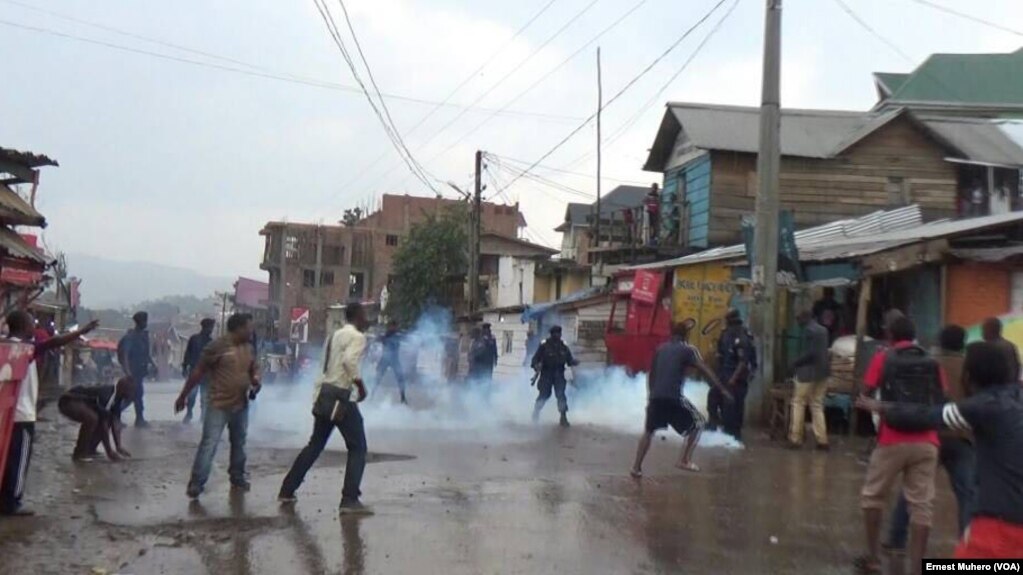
(697, 177)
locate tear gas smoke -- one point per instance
(606, 397)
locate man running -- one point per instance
(193, 352)
(390, 358)
(233, 380)
(667, 405)
(335, 407)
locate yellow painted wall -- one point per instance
(702, 292)
(543, 289)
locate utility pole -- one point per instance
(474, 240)
(765, 258)
(600, 106)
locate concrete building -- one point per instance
(312, 266)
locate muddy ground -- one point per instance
(527, 500)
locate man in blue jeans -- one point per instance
(956, 453)
(193, 352)
(230, 365)
(344, 352)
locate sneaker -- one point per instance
(286, 498)
(143, 424)
(354, 508)
(193, 492)
(564, 420)
(242, 486)
(187, 420)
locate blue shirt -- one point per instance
(133, 349)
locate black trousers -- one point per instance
(715, 409)
(353, 431)
(735, 411)
(16, 470)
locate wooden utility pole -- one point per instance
(600, 106)
(765, 258)
(474, 240)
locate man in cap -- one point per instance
(550, 361)
(193, 351)
(735, 364)
(133, 353)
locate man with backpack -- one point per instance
(904, 373)
(992, 414)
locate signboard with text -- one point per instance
(647, 286)
(300, 324)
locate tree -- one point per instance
(429, 262)
(351, 217)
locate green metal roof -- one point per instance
(970, 79)
(891, 81)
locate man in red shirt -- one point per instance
(913, 456)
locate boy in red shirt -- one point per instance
(911, 455)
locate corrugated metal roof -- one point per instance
(869, 225)
(988, 254)
(618, 199)
(16, 211)
(17, 247)
(804, 133)
(965, 79)
(978, 139)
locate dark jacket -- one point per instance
(483, 352)
(813, 366)
(552, 357)
(133, 352)
(193, 351)
(735, 352)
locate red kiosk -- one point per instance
(14, 361)
(645, 299)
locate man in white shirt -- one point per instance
(341, 370)
(21, 328)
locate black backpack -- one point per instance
(911, 375)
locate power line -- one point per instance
(569, 172)
(625, 88)
(392, 134)
(257, 71)
(373, 82)
(970, 17)
(628, 124)
(451, 94)
(891, 45)
(501, 80)
(548, 74)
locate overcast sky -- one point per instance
(181, 164)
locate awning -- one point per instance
(17, 247)
(987, 254)
(535, 311)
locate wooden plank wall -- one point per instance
(824, 190)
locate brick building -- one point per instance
(313, 266)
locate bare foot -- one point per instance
(636, 474)
(689, 466)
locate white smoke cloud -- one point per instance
(608, 398)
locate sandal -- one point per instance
(689, 467)
(867, 565)
(636, 474)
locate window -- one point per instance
(356, 285)
(392, 240)
(506, 343)
(291, 247)
(333, 255)
(897, 189)
(327, 278)
(308, 278)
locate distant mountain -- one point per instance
(116, 284)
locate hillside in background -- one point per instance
(116, 284)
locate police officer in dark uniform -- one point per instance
(736, 359)
(550, 360)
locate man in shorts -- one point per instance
(666, 405)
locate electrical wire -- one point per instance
(863, 24)
(392, 134)
(970, 17)
(624, 89)
(548, 74)
(568, 172)
(254, 70)
(362, 173)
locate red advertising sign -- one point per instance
(647, 286)
(300, 324)
(19, 272)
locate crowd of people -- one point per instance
(960, 407)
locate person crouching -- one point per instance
(98, 411)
